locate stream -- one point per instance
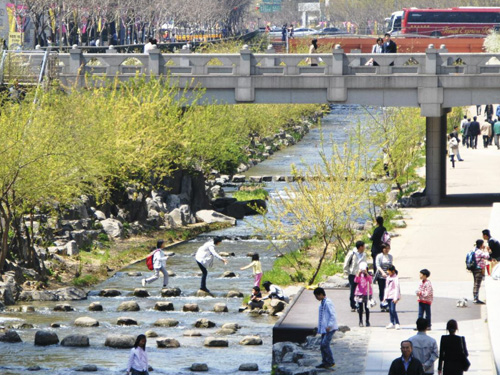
(59, 360)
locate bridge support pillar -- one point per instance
(435, 166)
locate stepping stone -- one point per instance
(76, 341)
(134, 274)
(151, 333)
(229, 274)
(129, 306)
(63, 307)
(171, 273)
(234, 294)
(86, 368)
(249, 367)
(192, 333)
(204, 323)
(202, 293)
(85, 321)
(225, 332)
(124, 321)
(166, 323)
(164, 306)
(220, 307)
(251, 340)
(120, 341)
(110, 293)
(170, 292)
(233, 326)
(142, 293)
(55, 325)
(95, 306)
(190, 307)
(199, 367)
(45, 338)
(11, 337)
(167, 342)
(216, 342)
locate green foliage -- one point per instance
(246, 195)
(85, 280)
(103, 237)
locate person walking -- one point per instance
(284, 33)
(389, 45)
(488, 112)
(205, 259)
(392, 295)
(474, 131)
(383, 261)
(256, 268)
(407, 364)
(481, 255)
(453, 148)
(454, 133)
(425, 348)
(138, 358)
(452, 352)
(313, 61)
(363, 293)
(327, 325)
(486, 133)
(425, 295)
(159, 265)
(493, 244)
(496, 132)
(497, 113)
(351, 268)
(466, 133)
(376, 239)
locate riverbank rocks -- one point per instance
(220, 307)
(76, 341)
(45, 338)
(167, 342)
(63, 307)
(192, 333)
(229, 274)
(166, 323)
(281, 349)
(151, 333)
(70, 294)
(142, 293)
(249, 367)
(125, 321)
(216, 342)
(251, 340)
(23, 326)
(295, 369)
(28, 309)
(164, 306)
(234, 294)
(113, 228)
(276, 306)
(120, 341)
(110, 293)
(86, 368)
(95, 306)
(10, 336)
(86, 321)
(211, 216)
(171, 292)
(129, 306)
(239, 178)
(202, 293)
(204, 323)
(199, 367)
(190, 307)
(335, 282)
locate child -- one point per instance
(363, 292)
(256, 268)
(425, 296)
(159, 265)
(392, 295)
(256, 299)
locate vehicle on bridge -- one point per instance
(475, 21)
(393, 24)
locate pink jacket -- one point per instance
(425, 292)
(392, 290)
(364, 287)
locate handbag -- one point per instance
(371, 301)
(465, 360)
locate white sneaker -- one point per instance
(389, 326)
(397, 326)
(143, 282)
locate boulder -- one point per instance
(211, 216)
(113, 228)
(139, 292)
(86, 322)
(199, 367)
(239, 178)
(177, 217)
(76, 340)
(95, 306)
(220, 307)
(55, 325)
(223, 202)
(45, 338)
(120, 341)
(6, 295)
(167, 342)
(276, 306)
(335, 282)
(99, 215)
(37, 295)
(129, 306)
(190, 307)
(232, 326)
(171, 292)
(166, 323)
(187, 216)
(72, 248)
(229, 274)
(86, 368)
(191, 333)
(234, 294)
(164, 306)
(204, 323)
(344, 329)
(110, 293)
(399, 223)
(28, 309)
(236, 210)
(34, 368)
(125, 321)
(216, 342)
(251, 340)
(280, 349)
(63, 307)
(294, 369)
(24, 326)
(10, 336)
(249, 367)
(151, 333)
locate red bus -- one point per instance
(452, 21)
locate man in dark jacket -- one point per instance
(493, 244)
(474, 131)
(407, 364)
(466, 133)
(376, 238)
(389, 46)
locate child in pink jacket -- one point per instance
(363, 292)
(392, 295)
(425, 295)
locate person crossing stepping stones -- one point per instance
(159, 265)
(205, 259)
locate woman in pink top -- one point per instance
(363, 292)
(392, 295)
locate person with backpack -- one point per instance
(205, 259)
(376, 239)
(493, 244)
(476, 264)
(158, 260)
(351, 267)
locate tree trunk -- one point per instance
(5, 238)
(325, 249)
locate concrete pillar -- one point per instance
(245, 92)
(337, 61)
(154, 62)
(75, 63)
(435, 167)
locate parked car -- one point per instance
(331, 31)
(303, 31)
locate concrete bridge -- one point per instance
(434, 81)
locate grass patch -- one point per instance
(247, 195)
(86, 280)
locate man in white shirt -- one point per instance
(327, 325)
(205, 259)
(149, 46)
(159, 265)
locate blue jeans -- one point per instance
(352, 285)
(425, 308)
(326, 351)
(392, 312)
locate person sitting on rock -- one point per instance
(159, 265)
(256, 299)
(275, 292)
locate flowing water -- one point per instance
(59, 360)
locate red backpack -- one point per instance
(149, 260)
